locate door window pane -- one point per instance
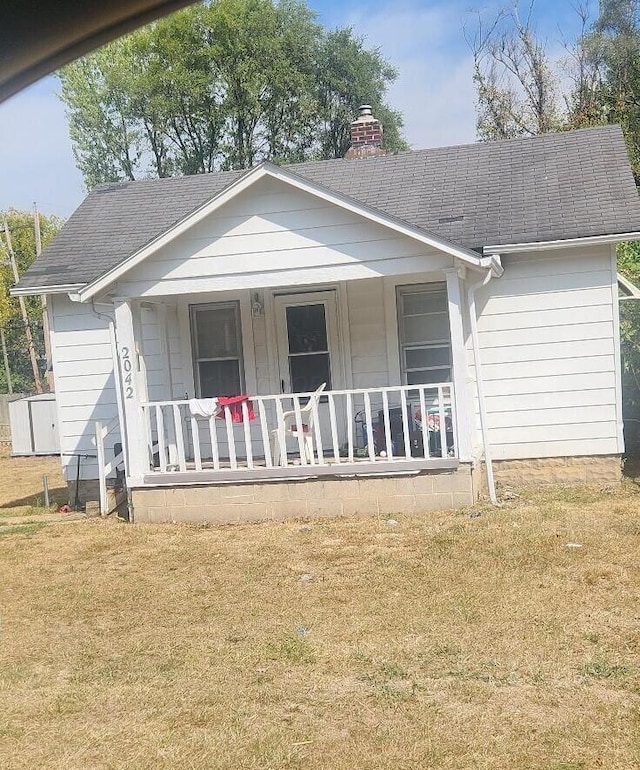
(308, 372)
(307, 329)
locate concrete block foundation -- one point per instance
(382, 495)
(310, 498)
(606, 469)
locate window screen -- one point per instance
(217, 346)
(425, 337)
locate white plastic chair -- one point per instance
(289, 427)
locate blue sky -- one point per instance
(423, 39)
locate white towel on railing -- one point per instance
(203, 407)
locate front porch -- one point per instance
(372, 374)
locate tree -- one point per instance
(21, 225)
(515, 81)
(522, 91)
(222, 85)
(613, 48)
(348, 75)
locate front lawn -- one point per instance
(509, 639)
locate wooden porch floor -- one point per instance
(359, 466)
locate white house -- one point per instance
(458, 306)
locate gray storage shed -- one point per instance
(34, 428)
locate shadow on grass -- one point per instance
(631, 469)
(58, 496)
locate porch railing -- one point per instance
(339, 427)
(106, 469)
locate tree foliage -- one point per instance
(21, 226)
(613, 47)
(523, 90)
(514, 77)
(222, 85)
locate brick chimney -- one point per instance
(366, 135)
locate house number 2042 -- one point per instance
(127, 368)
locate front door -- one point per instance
(308, 342)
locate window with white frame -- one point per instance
(217, 349)
(425, 337)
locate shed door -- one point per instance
(308, 342)
(43, 420)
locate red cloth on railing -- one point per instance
(235, 407)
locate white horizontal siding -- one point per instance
(94, 366)
(85, 388)
(535, 403)
(540, 284)
(556, 353)
(273, 235)
(547, 337)
(266, 382)
(535, 302)
(157, 343)
(282, 278)
(562, 448)
(533, 370)
(367, 333)
(537, 321)
(548, 334)
(556, 383)
(70, 354)
(546, 417)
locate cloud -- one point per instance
(36, 160)
(434, 90)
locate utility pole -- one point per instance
(23, 310)
(5, 357)
(43, 299)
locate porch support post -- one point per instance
(463, 404)
(136, 434)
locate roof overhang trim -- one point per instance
(466, 256)
(593, 240)
(30, 291)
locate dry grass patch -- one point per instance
(443, 642)
(21, 489)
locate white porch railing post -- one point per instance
(136, 432)
(461, 397)
(102, 476)
(245, 459)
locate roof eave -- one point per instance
(30, 291)
(592, 240)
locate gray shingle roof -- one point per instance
(551, 187)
